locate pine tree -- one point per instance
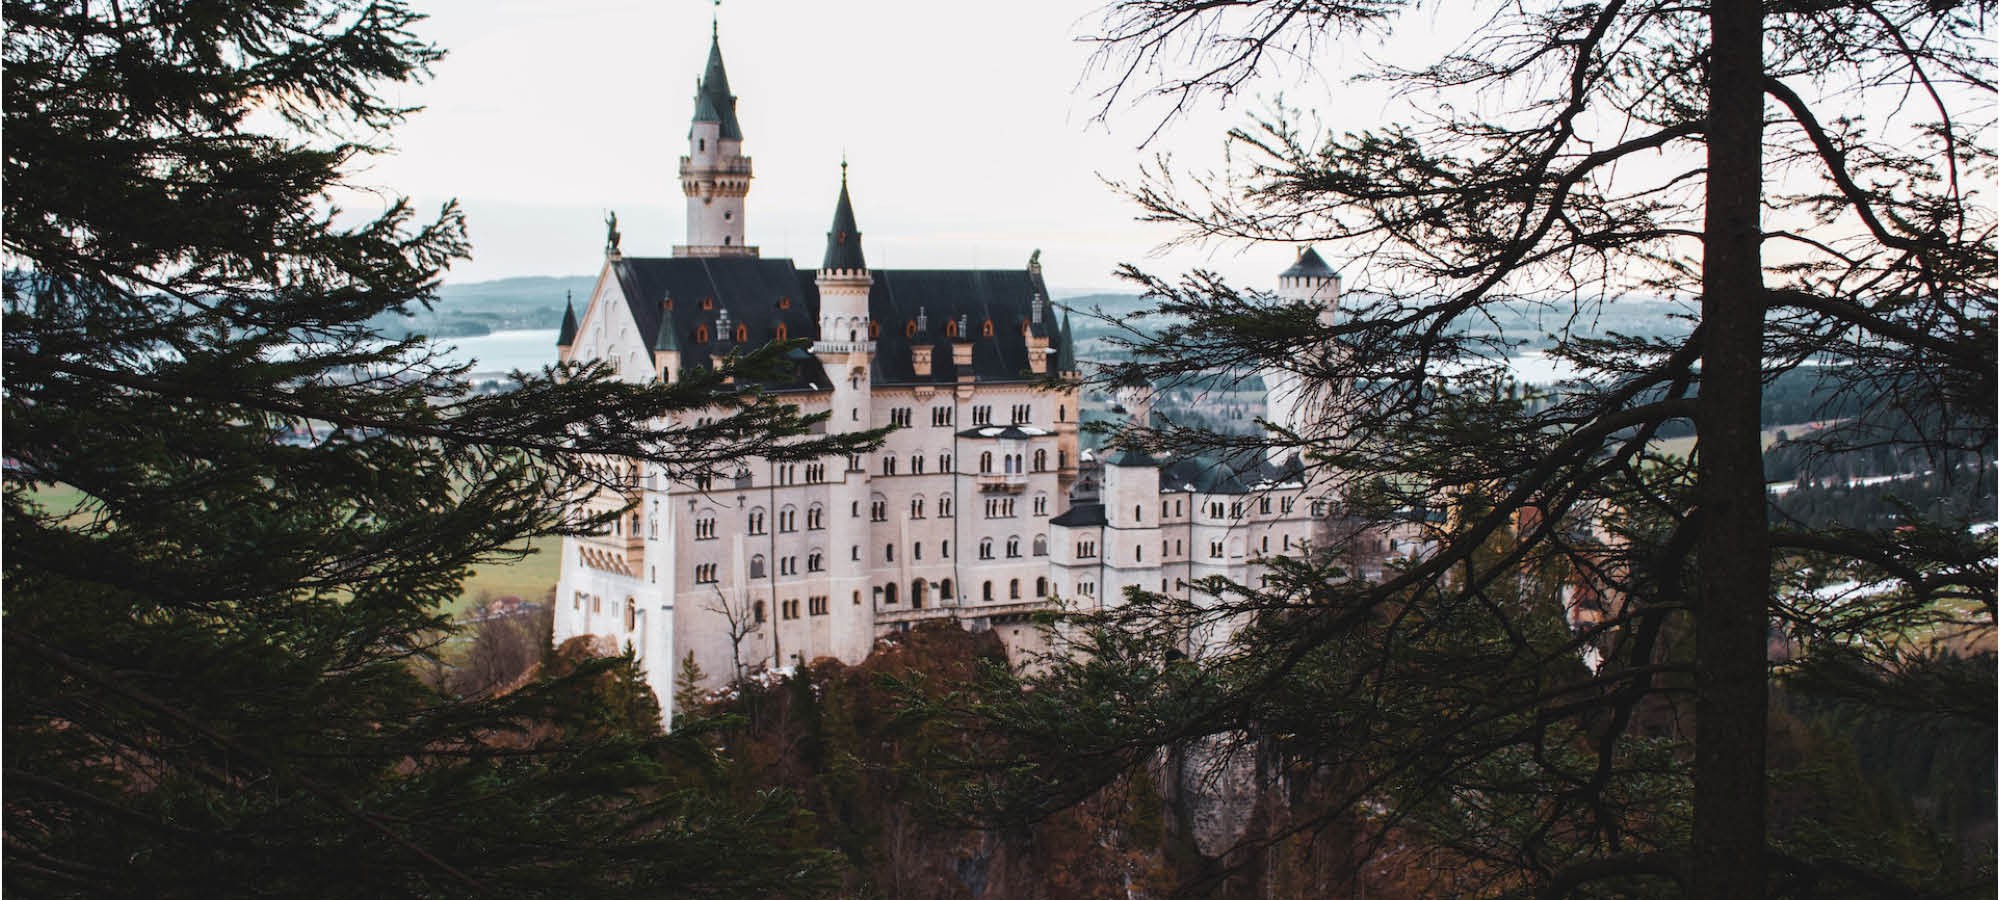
(1566, 155)
(209, 631)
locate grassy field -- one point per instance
(1683, 446)
(529, 578)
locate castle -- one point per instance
(964, 514)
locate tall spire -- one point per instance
(712, 100)
(843, 243)
(568, 334)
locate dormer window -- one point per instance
(784, 303)
(780, 333)
(874, 330)
(708, 303)
(742, 334)
(950, 329)
(910, 330)
(701, 334)
(986, 329)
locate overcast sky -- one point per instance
(967, 126)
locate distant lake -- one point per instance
(505, 351)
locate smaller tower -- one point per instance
(667, 345)
(567, 337)
(1300, 407)
(843, 283)
(1310, 278)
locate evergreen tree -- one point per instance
(208, 630)
(1567, 154)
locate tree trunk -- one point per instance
(1733, 585)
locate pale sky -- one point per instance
(967, 127)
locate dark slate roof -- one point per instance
(843, 242)
(1003, 296)
(1232, 472)
(1308, 266)
(1081, 514)
(568, 334)
(1125, 456)
(712, 101)
(1065, 348)
(750, 290)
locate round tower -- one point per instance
(715, 175)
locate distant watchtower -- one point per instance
(715, 175)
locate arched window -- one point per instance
(781, 332)
(944, 590)
(985, 548)
(815, 561)
(951, 328)
(631, 614)
(874, 330)
(889, 593)
(742, 331)
(701, 334)
(1041, 587)
(1041, 545)
(1013, 546)
(986, 591)
(757, 612)
(1014, 589)
(986, 330)
(919, 592)
(1041, 460)
(917, 507)
(757, 566)
(944, 506)
(910, 330)
(986, 463)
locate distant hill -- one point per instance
(483, 307)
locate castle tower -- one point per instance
(1291, 402)
(846, 349)
(1310, 278)
(715, 175)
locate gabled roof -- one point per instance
(712, 100)
(762, 294)
(759, 294)
(843, 242)
(1309, 265)
(1001, 296)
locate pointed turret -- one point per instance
(1065, 349)
(666, 344)
(715, 175)
(843, 243)
(713, 102)
(567, 336)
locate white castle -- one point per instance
(964, 514)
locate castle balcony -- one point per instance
(840, 348)
(1002, 482)
(715, 250)
(740, 166)
(928, 613)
